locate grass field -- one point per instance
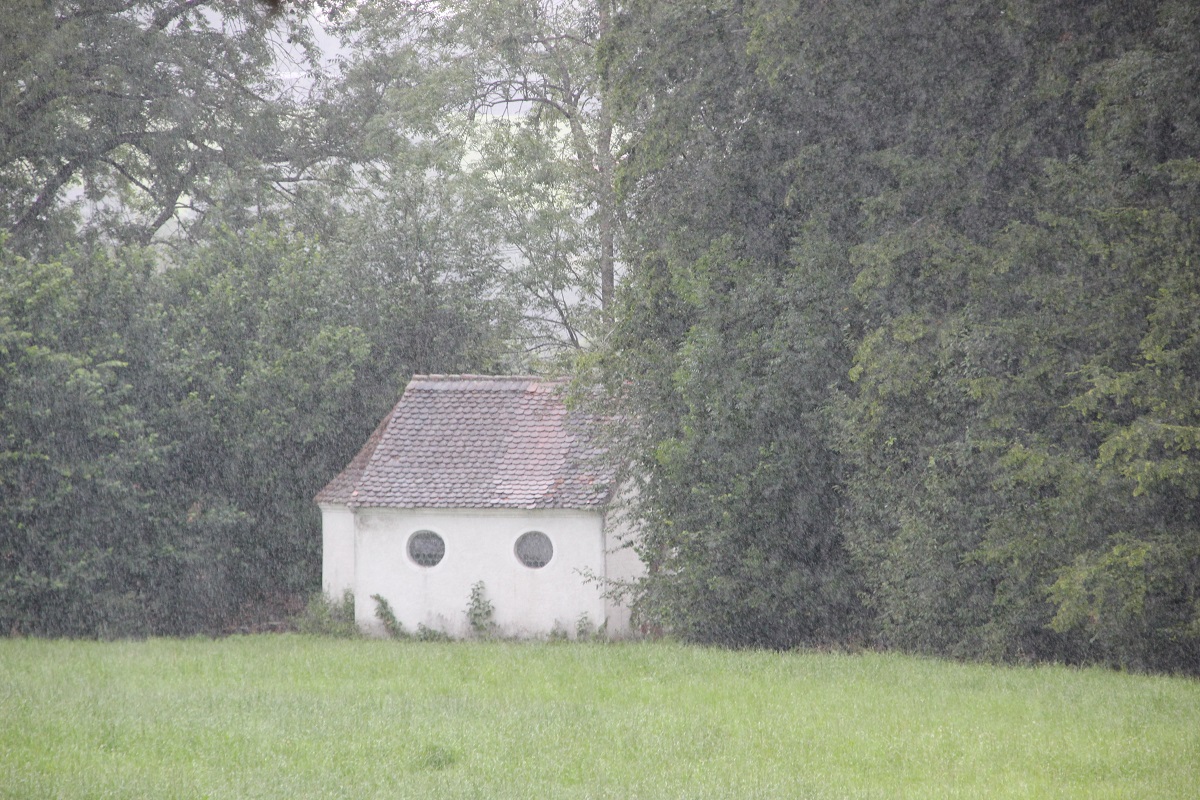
(296, 717)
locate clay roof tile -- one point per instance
(473, 441)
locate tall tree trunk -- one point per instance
(606, 198)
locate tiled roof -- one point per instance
(475, 441)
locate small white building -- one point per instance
(474, 478)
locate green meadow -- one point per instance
(289, 716)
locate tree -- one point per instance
(84, 542)
(726, 346)
(327, 256)
(121, 117)
(283, 358)
(516, 82)
(967, 226)
(997, 267)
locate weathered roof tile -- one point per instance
(474, 441)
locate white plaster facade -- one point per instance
(366, 552)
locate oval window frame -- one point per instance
(532, 560)
(422, 560)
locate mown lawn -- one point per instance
(297, 717)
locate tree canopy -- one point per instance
(119, 117)
(953, 245)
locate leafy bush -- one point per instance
(588, 631)
(480, 611)
(427, 634)
(384, 613)
(326, 616)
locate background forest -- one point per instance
(897, 303)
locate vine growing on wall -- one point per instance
(480, 611)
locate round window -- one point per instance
(426, 548)
(534, 549)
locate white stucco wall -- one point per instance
(479, 547)
(337, 550)
(622, 565)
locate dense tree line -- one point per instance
(914, 309)
(211, 288)
(898, 302)
(164, 430)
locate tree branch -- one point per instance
(168, 15)
(42, 202)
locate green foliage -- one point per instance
(84, 545)
(428, 634)
(171, 418)
(985, 414)
(114, 117)
(587, 630)
(265, 364)
(514, 84)
(480, 611)
(384, 613)
(329, 616)
(164, 430)
(417, 256)
(733, 338)
(935, 264)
